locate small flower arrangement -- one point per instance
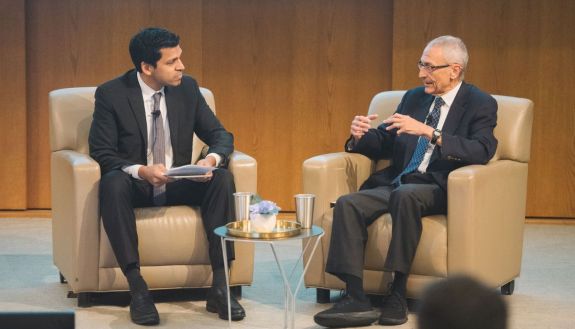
(264, 207)
(263, 215)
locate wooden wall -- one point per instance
(13, 114)
(288, 75)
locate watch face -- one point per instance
(436, 135)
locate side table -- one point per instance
(314, 234)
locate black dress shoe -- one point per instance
(348, 312)
(142, 309)
(394, 310)
(217, 302)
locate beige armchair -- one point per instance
(482, 233)
(173, 245)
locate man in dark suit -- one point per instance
(439, 127)
(143, 124)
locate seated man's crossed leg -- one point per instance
(353, 213)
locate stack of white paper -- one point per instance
(188, 171)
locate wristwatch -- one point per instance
(435, 136)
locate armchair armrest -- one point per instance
(329, 176)
(245, 171)
(75, 217)
(486, 214)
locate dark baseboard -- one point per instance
(35, 320)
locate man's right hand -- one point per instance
(360, 125)
(154, 174)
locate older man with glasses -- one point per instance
(438, 127)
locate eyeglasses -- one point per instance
(430, 68)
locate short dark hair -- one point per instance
(145, 45)
(461, 302)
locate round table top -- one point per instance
(222, 231)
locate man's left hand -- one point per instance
(408, 125)
(209, 161)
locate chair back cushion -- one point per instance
(514, 121)
(70, 118)
(384, 104)
(71, 112)
(513, 131)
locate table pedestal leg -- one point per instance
(289, 295)
(225, 252)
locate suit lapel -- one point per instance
(174, 107)
(137, 106)
(456, 110)
(454, 115)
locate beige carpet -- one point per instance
(544, 294)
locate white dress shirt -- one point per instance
(448, 99)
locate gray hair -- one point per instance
(454, 50)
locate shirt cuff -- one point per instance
(217, 157)
(350, 144)
(133, 171)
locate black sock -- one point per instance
(135, 279)
(354, 287)
(400, 284)
(219, 278)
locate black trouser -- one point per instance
(120, 194)
(354, 212)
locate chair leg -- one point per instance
(84, 299)
(62, 278)
(236, 291)
(322, 295)
(507, 289)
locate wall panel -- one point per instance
(13, 108)
(517, 48)
(290, 75)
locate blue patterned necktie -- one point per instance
(422, 142)
(158, 147)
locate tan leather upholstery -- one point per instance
(481, 235)
(172, 241)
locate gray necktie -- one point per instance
(158, 147)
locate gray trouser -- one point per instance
(354, 212)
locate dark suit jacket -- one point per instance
(467, 137)
(119, 137)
